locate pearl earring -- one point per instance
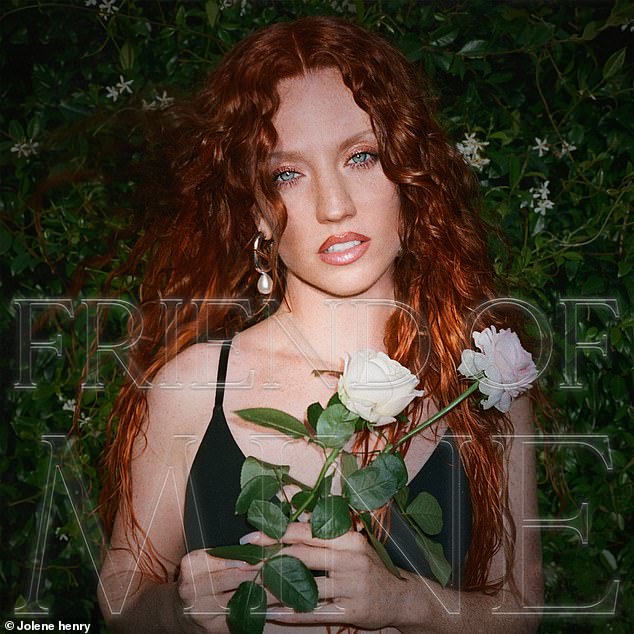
(265, 283)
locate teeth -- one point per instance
(342, 246)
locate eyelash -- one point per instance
(369, 162)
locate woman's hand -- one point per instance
(205, 585)
(358, 589)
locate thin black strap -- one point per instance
(222, 373)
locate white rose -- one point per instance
(508, 368)
(376, 387)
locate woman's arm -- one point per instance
(364, 594)
(130, 600)
(478, 611)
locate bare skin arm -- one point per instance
(131, 601)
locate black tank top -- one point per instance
(214, 484)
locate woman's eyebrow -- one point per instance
(364, 135)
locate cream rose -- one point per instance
(503, 368)
(376, 387)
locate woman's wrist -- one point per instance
(414, 605)
(182, 619)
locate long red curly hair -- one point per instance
(198, 246)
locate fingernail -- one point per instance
(232, 563)
(249, 538)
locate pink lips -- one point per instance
(348, 255)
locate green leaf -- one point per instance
(247, 609)
(274, 419)
(335, 426)
(334, 400)
(6, 240)
(435, 558)
(16, 131)
(268, 518)
(33, 128)
(211, 9)
(258, 488)
(369, 488)
(300, 497)
(474, 48)
(313, 413)
(609, 557)
(392, 464)
(401, 497)
(291, 582)
(251, 553)
(614, 64)
(514, 170)
(444, 36)
(540, 34)
(426, 512)
(348, 464)
(381, 551)
(590, 31)
(126, 56)
(331, 517)
(324, 489)
(252, 467)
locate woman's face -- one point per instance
(342, 235)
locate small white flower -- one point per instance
(25, 148)
(479, 162)
(90, 3)
(113, 93)
(470, 148)
(628, 25)
(162, 101)
(541, 146)
(124, 86)
(566, 148)
(540, 201)
(108, 8)
(158, 103)
(542, 206)
(542, 191)
(503, 368)
(69, 405)
(376, 387)
(63, 537)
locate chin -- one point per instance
(352, 289)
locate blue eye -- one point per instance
(285, 176)
(362, 158)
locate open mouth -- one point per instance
(342, 246)
(343, 249)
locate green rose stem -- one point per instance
(472, 388)
(335, 452)
(331, 458)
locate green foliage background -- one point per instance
(508, 73)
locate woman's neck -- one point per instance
(329, 327)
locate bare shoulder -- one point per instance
(182, 393)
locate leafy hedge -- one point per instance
(538, 97)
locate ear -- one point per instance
(264, 227)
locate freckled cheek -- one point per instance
(293, 241)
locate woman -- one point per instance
(313, 151)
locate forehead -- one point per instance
(317, 106)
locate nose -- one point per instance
(334, 201)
